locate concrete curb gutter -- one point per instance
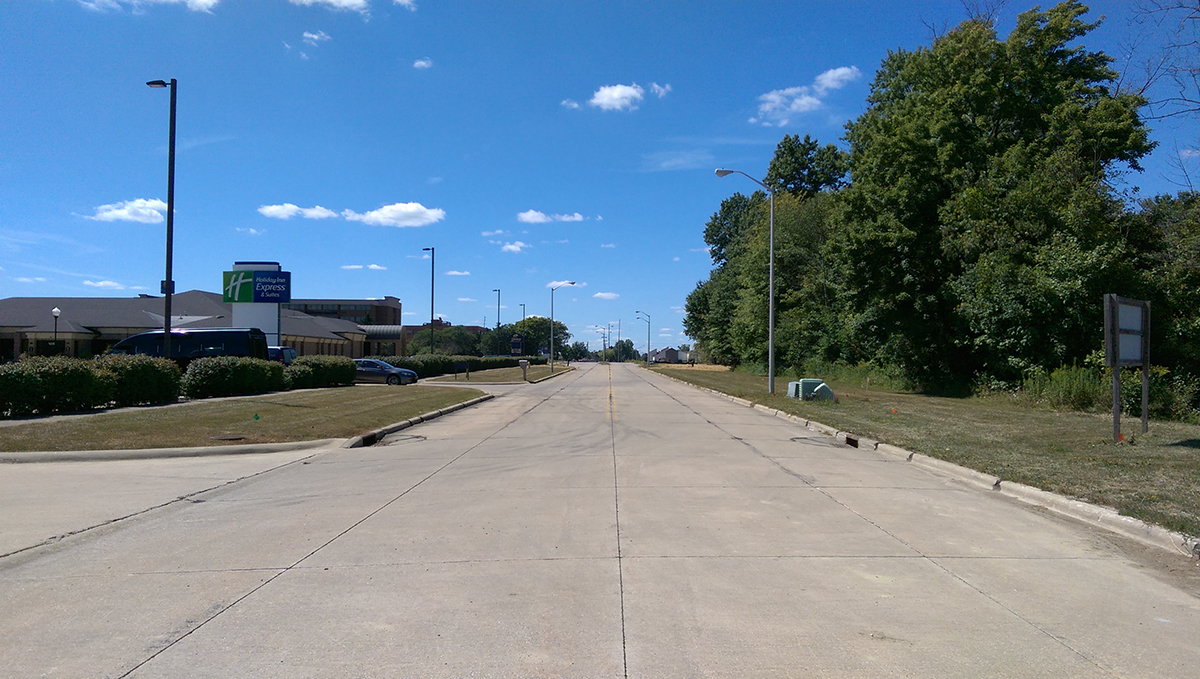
(1095, 515)
(372, 438)
(552, 376)
(155, 453)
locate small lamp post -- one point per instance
(56, 312)
(522, 311)
(552, 289)
(720, 172)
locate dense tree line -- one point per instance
(971, 227)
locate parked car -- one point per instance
(284, 355)
(372, 370)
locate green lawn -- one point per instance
(300, 415)
(1154, 477)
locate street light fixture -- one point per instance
(497, 291)
(168, 285)
(647, 319)
(552, 289)
(721, 172)
(56, 312)
(432, 269)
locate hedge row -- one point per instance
(432, 366)
(231, 376)
(314, 372)
(59, 384)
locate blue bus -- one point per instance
(188, 344)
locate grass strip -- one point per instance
(301, 415)
(1154, 477)
(501, 375)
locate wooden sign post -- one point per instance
(1127, 343)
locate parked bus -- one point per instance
(192, 343)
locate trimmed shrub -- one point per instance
(231, 376)
(298, 376)
(59, 384)
(327, 371)
(142, 380)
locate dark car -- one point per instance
(284, 355)
(371, 370)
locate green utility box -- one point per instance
(805, 389)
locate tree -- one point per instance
(802, 167)
(979, 167)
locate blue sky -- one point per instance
(528, 142)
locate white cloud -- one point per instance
(352, 5)
(488, 234)
(608, 245)
(288, 210)
(315, 38)
(618, 97)
(533, 217)
(664, 330)
(778, 106)
(376, 267)
(1188, 154)
(467, 299)
(458, 273)
(35, 279)
(252, 232)
(537, 217)
(570, 103)
(835, 79)
(398, 214)
(105, 285)
(606, 295)
(136, 5)
(659, 91)
(423, 63)
(515, 246)
(352, 266)
(410, 5)
(665, 334)
(141, 210)
(675, 259)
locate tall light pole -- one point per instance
(770, 281)
(497, 291)
(647, 319)
(432, 270)
(552, 289)
(168, 285)
(522, 311)
(56, 312)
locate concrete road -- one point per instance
(607, 523)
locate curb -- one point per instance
(551, 376)
(157, 453)
(1095, 515)
(372, 438)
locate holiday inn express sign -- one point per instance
(257, 287)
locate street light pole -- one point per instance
(522, 311)
(647, 319)
(56, 312)
(552, 289)
(168, 286)
(720, 172)
(432, 271)
(497, 291)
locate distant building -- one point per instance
(664, 355)
(386, 311)
(89, 325)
